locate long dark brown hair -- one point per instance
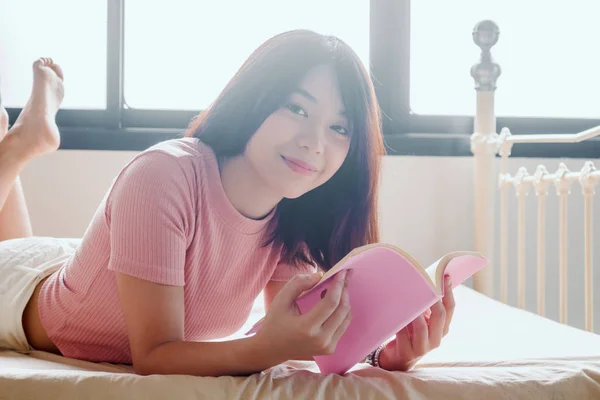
(323, 225)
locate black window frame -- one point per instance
(119, 127)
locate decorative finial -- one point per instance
(486, 34)
(586, 178)
(541, 186)
(504, 145)
(521, 186)
(486, 72)
(561, 182)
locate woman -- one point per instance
(275, 182)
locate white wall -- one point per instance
(426, 208)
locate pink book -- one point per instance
(389, 289)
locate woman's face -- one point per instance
(302, 145)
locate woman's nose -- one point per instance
(312, 140)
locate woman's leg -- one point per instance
(33, 133)
(14, 216)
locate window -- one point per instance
(546, 52)
(179, 54)
(72, 32)
(138, 71)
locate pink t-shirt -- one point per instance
(165, 219)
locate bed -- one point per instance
(494, 350)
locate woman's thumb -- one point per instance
(299, 283)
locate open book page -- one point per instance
(343, 263)
(468, 262)
(432, 272)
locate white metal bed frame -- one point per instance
(486, 144)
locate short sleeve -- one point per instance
(285, 271)
(149, 211)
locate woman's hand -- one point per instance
(286, 334)
(419, 337)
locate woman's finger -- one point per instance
(436, 324)
(330, 301)
(420, 336)
(449, 304)
(342, 327)
(339, 315)
(403, 345)
(427, 314)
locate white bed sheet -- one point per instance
(492, 351)
(486, 330)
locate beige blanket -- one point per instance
(493, 351)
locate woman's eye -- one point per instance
(340, 129)
(296, 109)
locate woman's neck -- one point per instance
(246, 191)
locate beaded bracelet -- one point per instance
(373, 357)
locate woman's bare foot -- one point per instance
(35, 129)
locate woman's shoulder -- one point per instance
(190, 154)
(165, 170)
(177, 165)
(181, 148)
(160, 163)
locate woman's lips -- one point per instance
(299, 166)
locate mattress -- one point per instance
(492, 351)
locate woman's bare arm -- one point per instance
(154, 315)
